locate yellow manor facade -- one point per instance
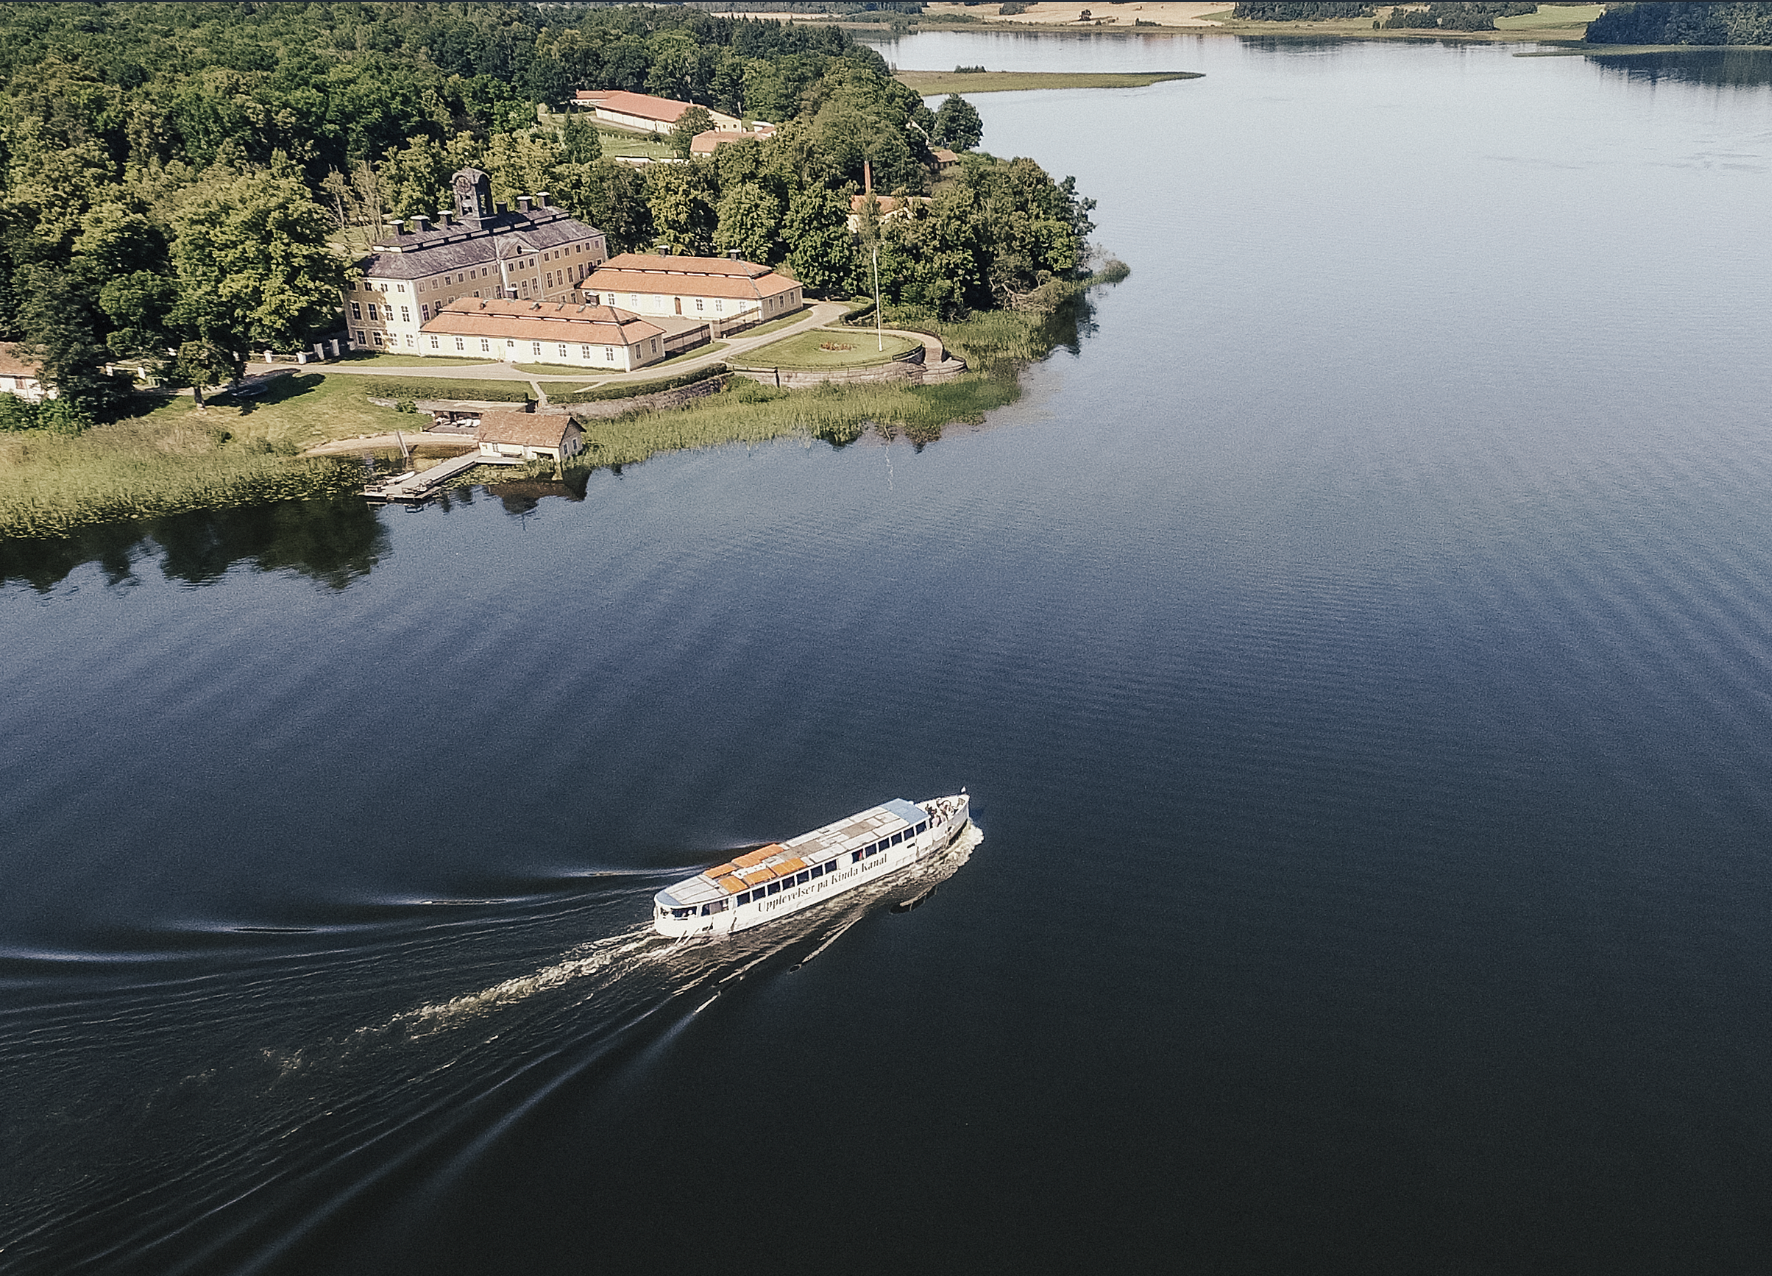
(477, 250)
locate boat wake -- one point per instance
(242, 1153)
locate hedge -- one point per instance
(447, 388)
(632, 389)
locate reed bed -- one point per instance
(51, 484)
(746, 412)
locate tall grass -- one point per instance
(51, 484)
(746, 412)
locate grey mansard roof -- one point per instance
(470, 242)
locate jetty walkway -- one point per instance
(413, 487)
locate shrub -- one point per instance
(634, 389)
(415, 388)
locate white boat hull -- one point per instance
(844, 875)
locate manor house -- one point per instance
(476, 250)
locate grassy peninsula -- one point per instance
(177, 247)
(934, 83)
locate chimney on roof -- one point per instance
(523, 204)
(394, 224)
(732, 254)
(420, 224)
(541, 199)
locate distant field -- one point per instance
(930, 83)
(1551, 15)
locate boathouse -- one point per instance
(552, 436)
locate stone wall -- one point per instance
(598, 409)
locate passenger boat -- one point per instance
(785, 877)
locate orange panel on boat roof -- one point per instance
(714, 874)
(757, 876)
(789, 867)
(759, 855)
(731, 885)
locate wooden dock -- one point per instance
(415, 487)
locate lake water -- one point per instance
(1358, 648)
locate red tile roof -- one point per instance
(541, 321)
(525, 429)
(686, 285)
(709, 142)
(12, 366)
(684, 265)
(693, 276)
(643, 105)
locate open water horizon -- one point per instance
(1357, 646)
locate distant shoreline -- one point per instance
(935, 83)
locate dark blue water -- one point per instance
(1358, 649)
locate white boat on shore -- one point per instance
(785, 877)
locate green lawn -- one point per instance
(650, 145)
(930, 83)
(806, 350)
(1550, 15)
(295, 412)
(776, 325)
(396, 387)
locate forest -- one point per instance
(185, 182)
(1690, 23)
(1474, 16)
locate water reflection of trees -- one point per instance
(333, 542)
(1720, 68)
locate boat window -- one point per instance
(923, 827)
(774, 888)
(897, 838)
(745, 898)
(803, 878)
(818, 870)
(855, 858)
(682, 912)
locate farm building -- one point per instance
(642, 111)
(721, 290)
(705, 144)
(21, 378)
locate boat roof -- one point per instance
(783, 859)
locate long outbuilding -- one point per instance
(643, 112)
(566, 333)
(722, 290)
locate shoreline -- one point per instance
(302, 436)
